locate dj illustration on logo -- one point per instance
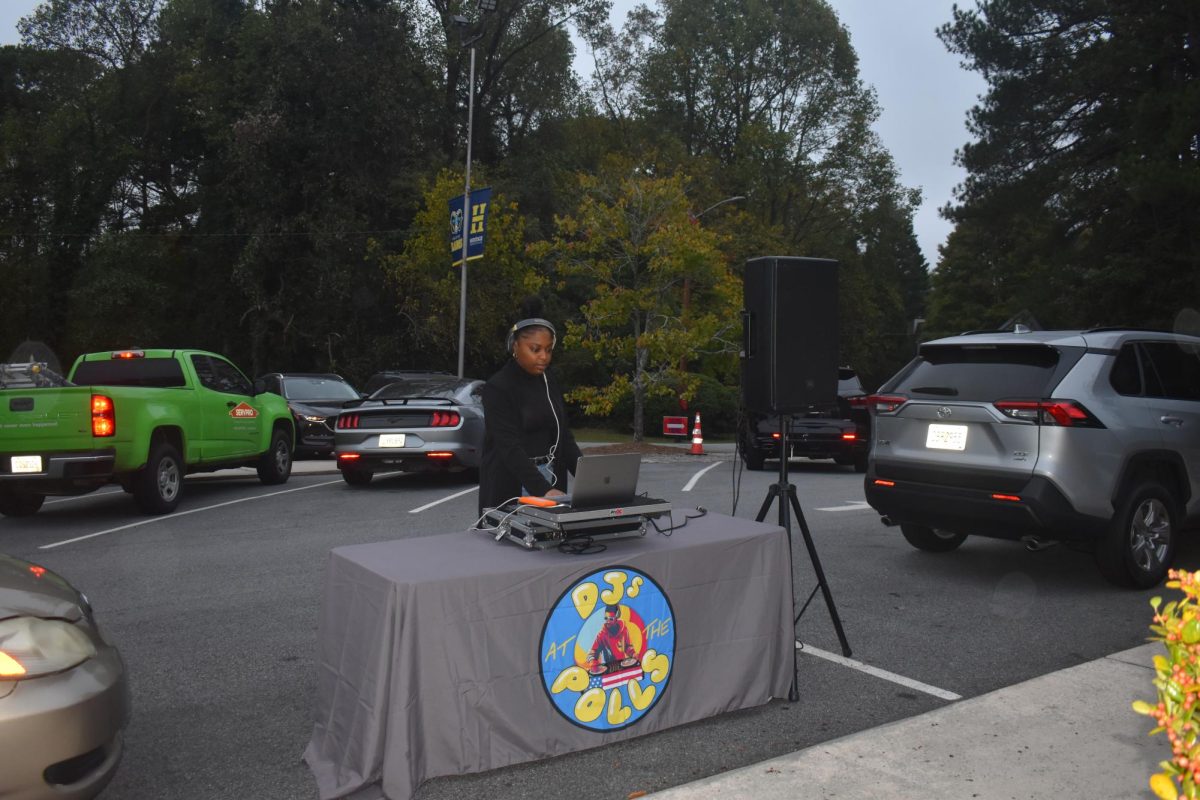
(608, 648)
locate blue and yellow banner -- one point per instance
(476, 226)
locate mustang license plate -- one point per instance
(946, 437)
(26, 464)
(391, 440)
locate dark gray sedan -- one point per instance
(64, 700)
(418, 422)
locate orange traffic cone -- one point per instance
(697, 439)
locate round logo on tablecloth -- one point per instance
(608, 648)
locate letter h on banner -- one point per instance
(476, 226)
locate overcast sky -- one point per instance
(922, 90)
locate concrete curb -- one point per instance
(1067, 734)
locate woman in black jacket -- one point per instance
(528, 448)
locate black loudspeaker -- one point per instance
(789, 333)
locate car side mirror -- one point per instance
(260, 386)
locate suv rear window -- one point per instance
(980, 372)
(162, 373)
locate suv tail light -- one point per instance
(885, 403)
(104, 418)
(443, 419)
(348, 420)
(1054, 413)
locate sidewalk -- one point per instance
(1067, 734)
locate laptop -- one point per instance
(604, 481)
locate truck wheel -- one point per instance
(158, 487)
(20, 504)
(275, 465)
(357, 477)
(932, 540)
(1139, 546)
(753, 457)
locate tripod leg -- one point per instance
(772, 493)
(816, 562)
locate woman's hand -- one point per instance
(555, 493)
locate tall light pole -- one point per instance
(470, 35)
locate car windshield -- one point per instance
(317, 389)
(980, 372)
(450, 389)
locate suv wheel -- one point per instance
(1140, 543)
(932, 540)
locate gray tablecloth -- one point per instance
(441, 655)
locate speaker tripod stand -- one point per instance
(789, 504)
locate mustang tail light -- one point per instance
(439, 454)
(885, 403)
(444, 419)
(1052, 413)
(349, 456)
(104, 417)
(849, 437)
(349, 420)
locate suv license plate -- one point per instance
(946, 437)
(391, 440)
(26, 463)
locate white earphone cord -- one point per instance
(557, 428)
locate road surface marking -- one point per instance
(182, 514)
(696, 477)
(878, 673)
(443, 500)
(851, 505)
(81, 496)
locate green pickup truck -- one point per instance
(140, 418)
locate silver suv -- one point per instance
(1087, 436)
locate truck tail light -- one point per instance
(1051, 413)
(885, 403)
(104, 417)
(444, 419)
(127, 354)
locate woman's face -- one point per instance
(532, 349)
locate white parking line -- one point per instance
(82, 496)
(182, 514)
(876, 672)
(696, 477)
(850, 505)
(443, 500)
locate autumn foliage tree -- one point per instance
(659, 290)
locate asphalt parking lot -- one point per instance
(215, 608)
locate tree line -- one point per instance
(269, 179)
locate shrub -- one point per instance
(1177, 679)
